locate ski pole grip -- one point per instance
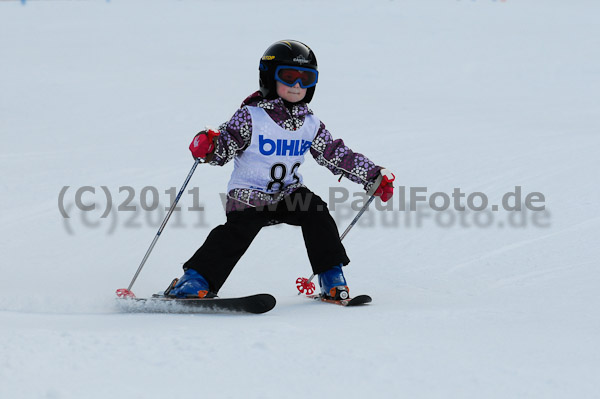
(375, 185)
(212, 135)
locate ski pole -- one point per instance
(362, 210)
(126, 292)
(304, 284)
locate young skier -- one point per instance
(267, 138)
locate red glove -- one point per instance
(204, 143)
(386, 188)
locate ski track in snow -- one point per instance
(481, 95)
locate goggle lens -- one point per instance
(290, 76)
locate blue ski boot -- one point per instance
(333, 284)
(190, 285)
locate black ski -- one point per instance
(158, 303)
(356, 301)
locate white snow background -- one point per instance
(482, 95)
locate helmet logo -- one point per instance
(268, 57)
(301, 60)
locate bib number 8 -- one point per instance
(279, 173)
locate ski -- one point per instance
(158, 303)
(356, 301)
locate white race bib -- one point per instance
(271, 161)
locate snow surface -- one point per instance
(481, 95)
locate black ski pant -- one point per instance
(226, 243)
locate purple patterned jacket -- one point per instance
(333, 154)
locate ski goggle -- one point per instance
(290, 75)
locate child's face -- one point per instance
(291, 94)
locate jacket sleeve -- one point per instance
(341, 160)
(235, 137)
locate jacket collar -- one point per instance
(277, 105)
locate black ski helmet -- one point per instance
(284, 52)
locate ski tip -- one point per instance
(261, 303)
(360, 300)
